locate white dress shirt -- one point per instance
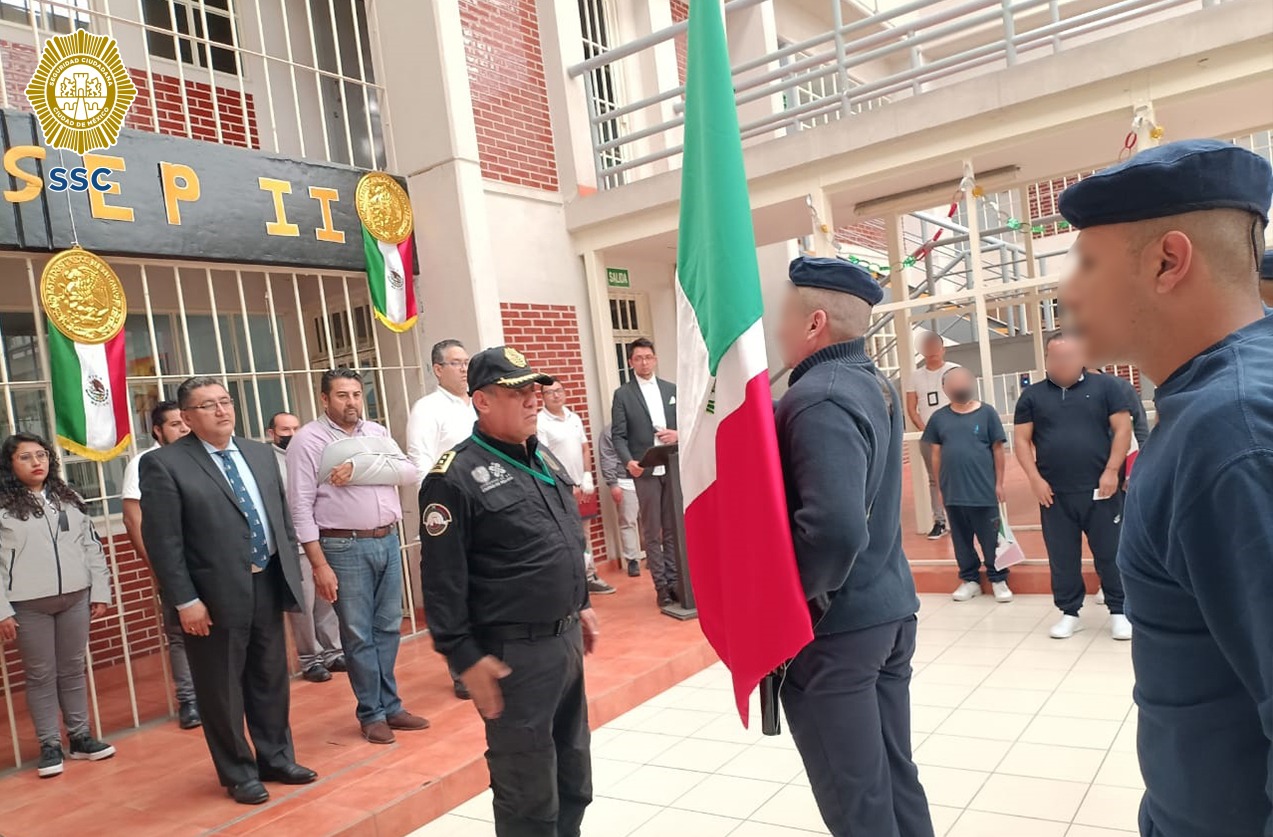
(438, 422)
(654, 402)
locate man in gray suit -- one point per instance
(220, 538)
(644, 414)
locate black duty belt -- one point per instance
(529, 630)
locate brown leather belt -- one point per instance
(381, 532)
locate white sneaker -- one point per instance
(1003, 593)
(1100, 595)
(1119, 627)
(1066, 628)
(965, 591)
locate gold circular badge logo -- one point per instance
(81, 92)
(83, 296)
(383, 207)
(515, 357)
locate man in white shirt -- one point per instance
(166, 427)
(440, 421)
(561, 430)
(924, 397)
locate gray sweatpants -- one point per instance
(934, 491)
(316, 629)
(53, 640)
(629, 535)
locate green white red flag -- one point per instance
(90, 395)
(751, 605)
(390, 280)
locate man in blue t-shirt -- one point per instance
(1073, 431)
(967, 438)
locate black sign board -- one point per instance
(181, 199)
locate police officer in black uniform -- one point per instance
(847, 693)
(506, 599)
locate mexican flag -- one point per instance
(738, 539)
(389, 276)
(90, 395)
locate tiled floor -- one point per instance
(1016, 735)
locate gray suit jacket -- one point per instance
(198, 537)
(633, 432)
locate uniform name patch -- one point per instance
(437, 518)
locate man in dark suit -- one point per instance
(215, 522)
(644, 414)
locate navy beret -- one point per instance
(835, 275)
(1266, 266)
(1172, 179)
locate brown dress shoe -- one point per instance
(405, 720)
(378, 733)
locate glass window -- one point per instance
(21, 349)
(186, 17)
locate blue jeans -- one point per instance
(369, 605)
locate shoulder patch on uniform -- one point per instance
(437, 518)
(548, 457)
(444, 462)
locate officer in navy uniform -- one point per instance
(506, 599)
(847, 694)
(1166, 278)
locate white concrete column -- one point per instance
(979, 290)
(561, 40)
(419, 54)
(906, 368)
(594, 268)
(823, 224)
(753, 32)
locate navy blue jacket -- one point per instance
(842, 462)
(1196, 556)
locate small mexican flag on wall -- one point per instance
(387, 232)
(86, 309)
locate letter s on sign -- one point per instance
(31, 190)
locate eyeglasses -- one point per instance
(33, 457)
(213, 406)
(455, 364)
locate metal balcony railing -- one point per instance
(855, 65)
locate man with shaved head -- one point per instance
(1166, 278)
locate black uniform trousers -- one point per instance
(847, 699)
(538, 749)
(656, 511)
(1071, 516)
(982, 523)
(242, 673)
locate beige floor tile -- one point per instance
(958, 655)
(1017, 677)
(943, 818)
(616, 817)
(950, 786)
(455, 826)
(765, 763)
(948, 621)
(1046, 761)
(791, 807)
(936, 638)
(983, 824)
(939, 694)
(681, 722)
(729, 729)
(956, 674)
(974, 723)
(990, 639)
(637, 747)
(652, 785)
(1100, 661)
(1059, 660)
(1121, 770)
(1020, 796)
(1126, 740)
(672, 821)
(1079, 705)
(607, 773)
(1107, 807)
(1071, 732)
(634, 719)
(1088, 831)
(1015, 701)
(962, 753)
(928, 718)
(761, 829)
(671, 697)
(479, 807)
(728, 796)
(705, 700)
(700, 756)
(1099, 683)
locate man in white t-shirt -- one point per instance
(440, 421)
(561, 430)
(166, 427)
(924, 397)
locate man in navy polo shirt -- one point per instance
(1073, 431)
(1166, 279)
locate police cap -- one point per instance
(835, 275)
(503, 366)
(1172, 179)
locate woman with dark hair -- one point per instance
(53, 580)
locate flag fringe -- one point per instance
(396, 327)
(95, 455)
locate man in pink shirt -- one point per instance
(343, 475)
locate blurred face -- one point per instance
(343, 402)
(933, 350)
(798, 329)
(960, 386)
(1107, 295)
(453, 371)
(210, 415)
(285, 427)
(172, 428)
(554, 397)
(1064, 362)
(644, 362)
(510, 415)
(31, 465)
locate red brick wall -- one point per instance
(549, 337)
(868, 234)
(1043, 197)
(105, 641)
(681, 11)
(19, 65)
(510, 104)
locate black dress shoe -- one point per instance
(337, 664)
(665, 597)
(317, 673)
(188, 717)
(249, 793)
(634, 568)
(462, 691)
(288, 774)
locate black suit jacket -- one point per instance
(197, 536)
(633, 432)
